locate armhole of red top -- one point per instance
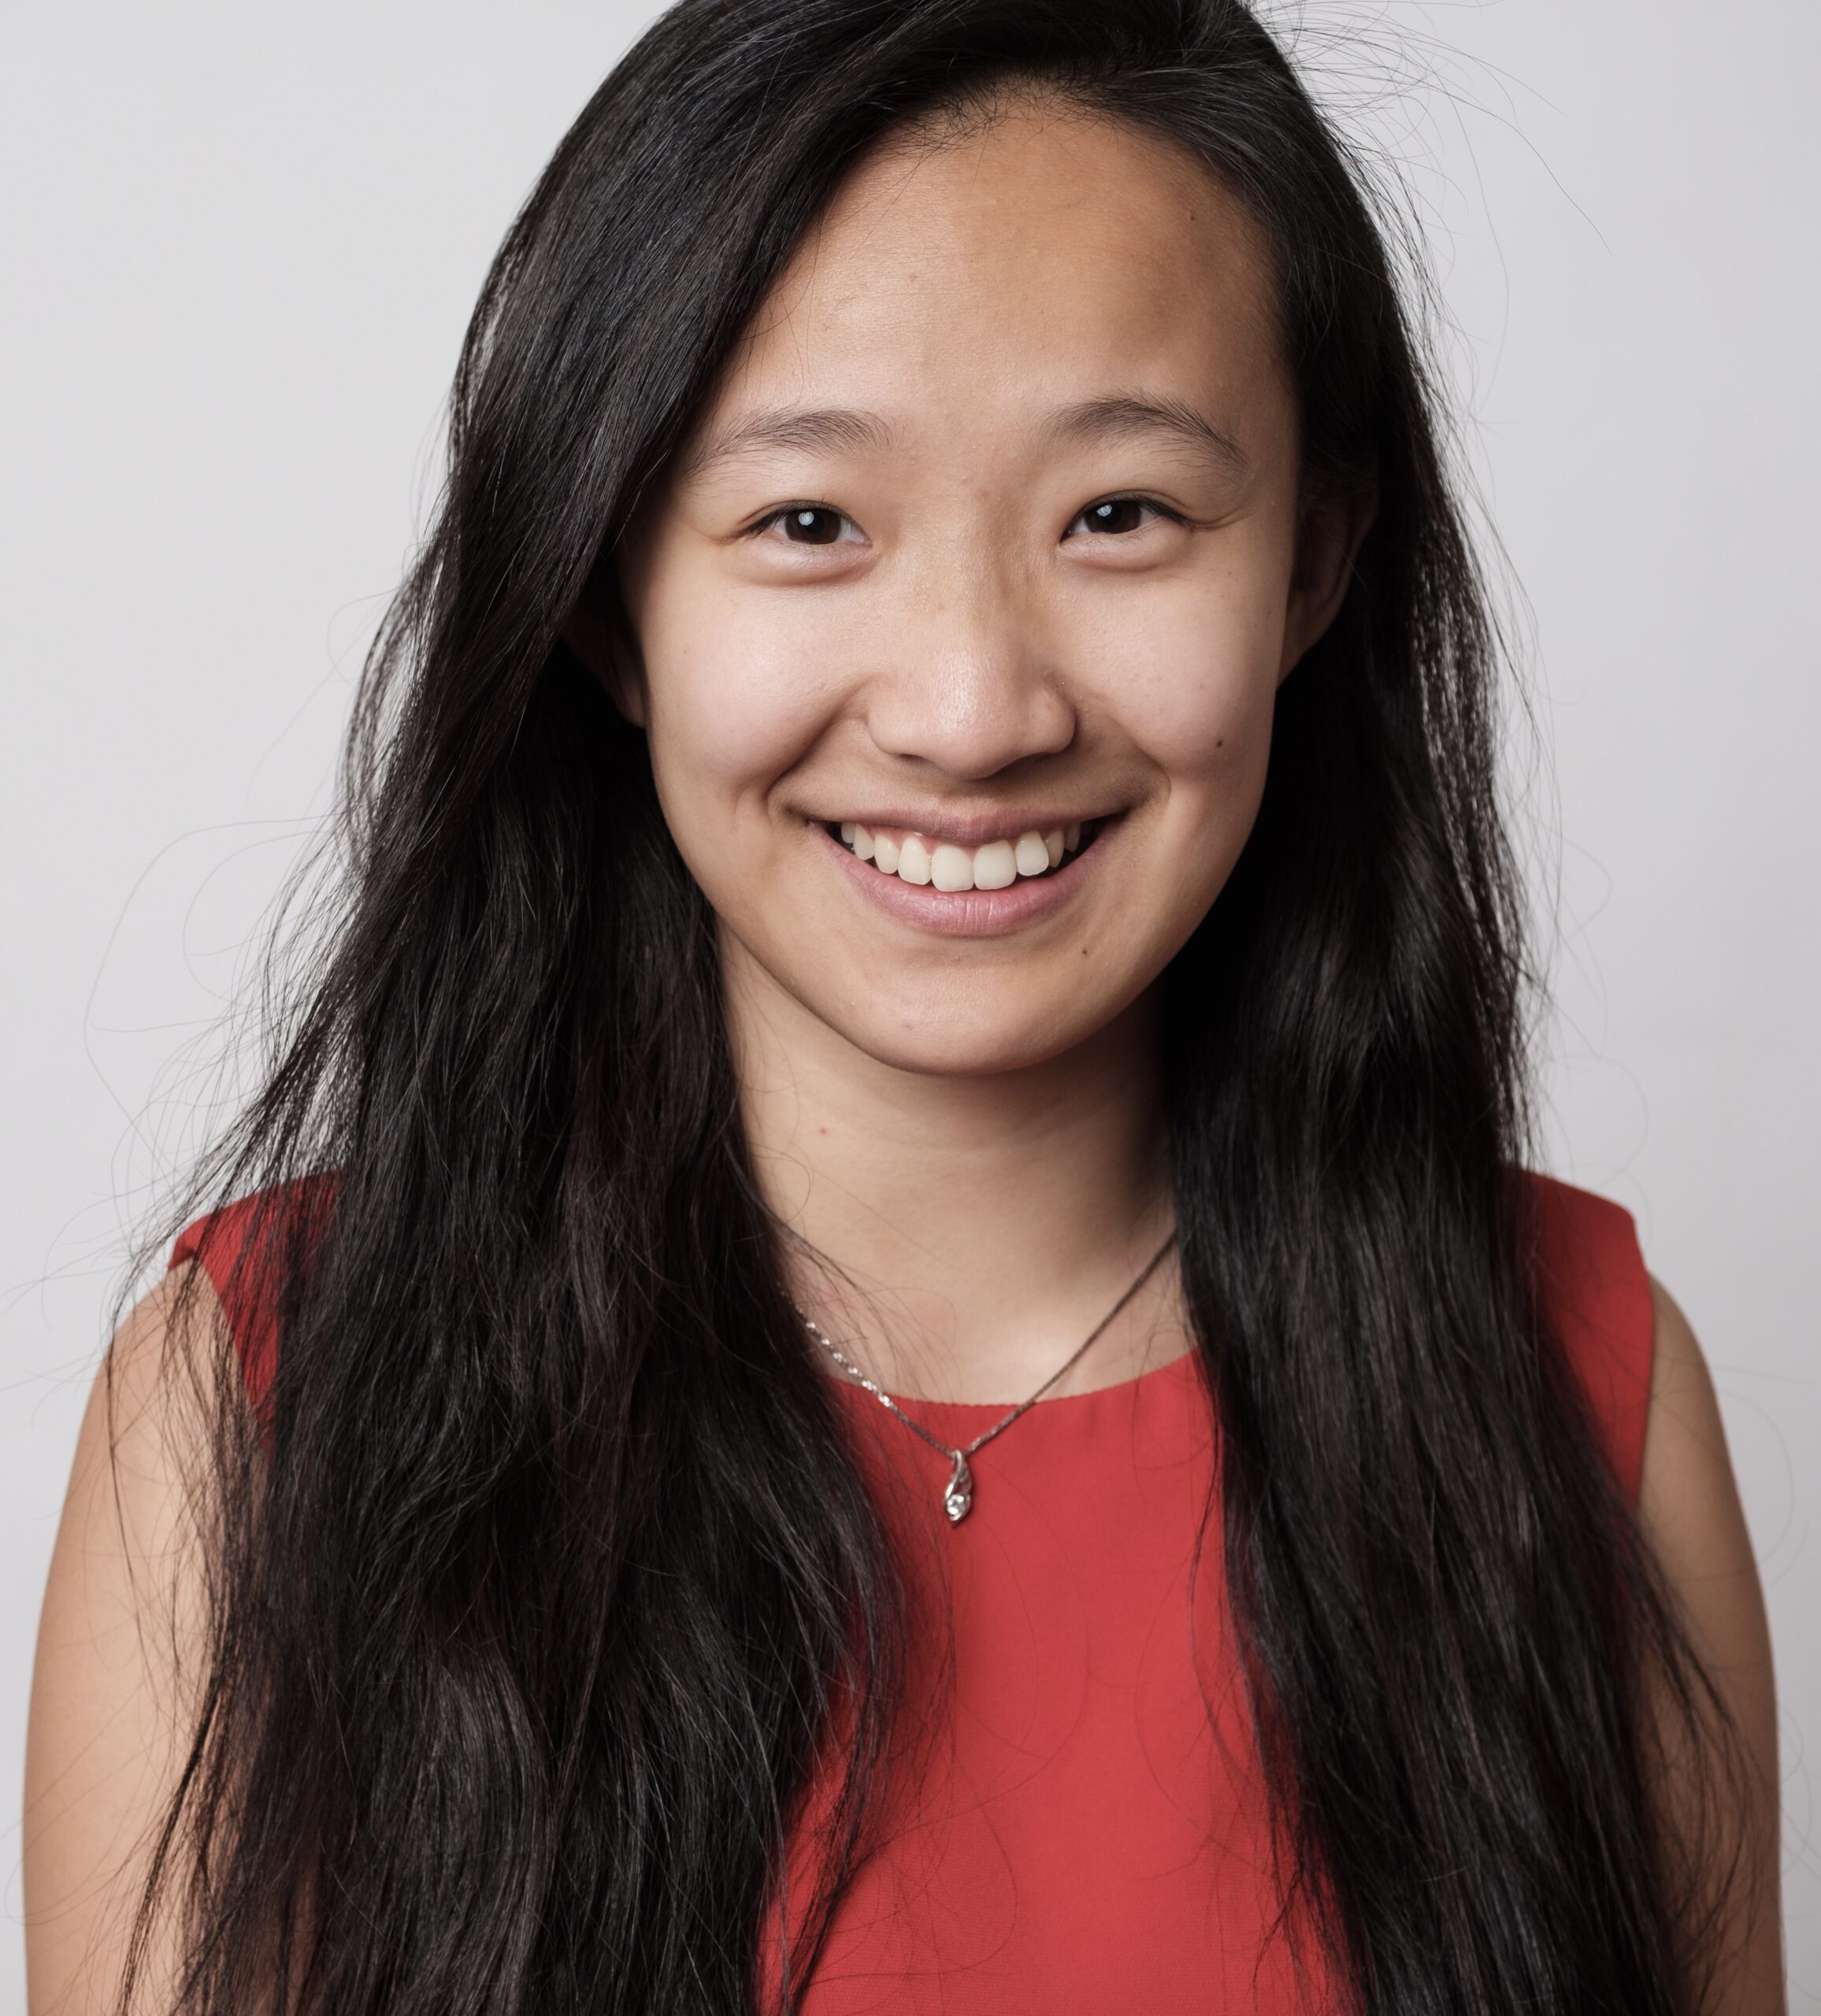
(243, 1249)
(1591, 1278)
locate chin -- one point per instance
(969, 1040)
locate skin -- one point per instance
(1035, 316)
(993, 332)
(1689, 1512)
(115, 1689)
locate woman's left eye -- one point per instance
(1116, 515)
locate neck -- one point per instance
(960, 1236)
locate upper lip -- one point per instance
(965, 829)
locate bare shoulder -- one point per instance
(1691, 1516)
(120, 1643)
(1689, 1501)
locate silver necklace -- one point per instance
(958, 1493)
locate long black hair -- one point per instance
(543, 1582)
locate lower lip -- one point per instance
(970, 912)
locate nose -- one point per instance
(969, 685)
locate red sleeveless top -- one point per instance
(1084, 1826)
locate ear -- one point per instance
(1330, 530)
(599, 634)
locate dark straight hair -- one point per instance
(547, 1582)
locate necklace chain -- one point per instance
(958, 1494)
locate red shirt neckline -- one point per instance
(982, 1413)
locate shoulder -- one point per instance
(1653, 1400)
(1689, 1507)
(121, 1644)
(1692, 1520)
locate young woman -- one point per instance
(880, 1344)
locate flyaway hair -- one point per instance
(544, 1580)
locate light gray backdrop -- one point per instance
(240, 244)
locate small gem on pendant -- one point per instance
(958, 1497)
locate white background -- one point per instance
(240, 242)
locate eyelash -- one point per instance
(773, 519)
(1125, 497)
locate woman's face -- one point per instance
(959, 621)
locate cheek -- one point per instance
(736, 692)
(1192, 682)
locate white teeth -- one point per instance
(994, 865)
(951, 868)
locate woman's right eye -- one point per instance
(811, 524)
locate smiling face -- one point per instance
(960, 618)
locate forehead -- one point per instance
(1044, 253)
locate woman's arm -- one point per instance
(1691, 1516)
(115, 1691)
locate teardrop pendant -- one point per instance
(958, 1497)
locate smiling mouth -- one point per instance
(915, 857)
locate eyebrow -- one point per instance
(790, 427)
(1117, 416)
(1126, 414)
